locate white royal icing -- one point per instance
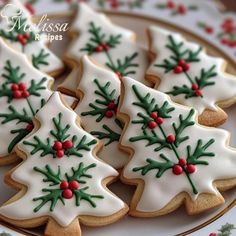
(63, 214)
(158, 192)
(18, 59)
(223, 89)
(32, 48)
(126, 47)
(110, 153)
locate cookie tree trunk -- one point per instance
(53, 228)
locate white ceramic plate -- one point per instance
(175, 223)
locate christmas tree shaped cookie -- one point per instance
(191, 77)
(61, 180)
(174, 160)
(108, 44)
(17, 29)
(23, 90)
(99, 91)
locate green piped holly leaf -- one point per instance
(12, 74)
(6, 92)
(40, 59)
(149, 105)
(39, 145)
(105, 97)
(183, 124)
(57, 194)
(52, 177)
(108, 134)
(8, 35)
(226, 230)
(99, 38)
(178, 53)
(203, 79)
(80, 195)
(161, 167)
(152, 138)
(60, 132)
(53, 196)
(21, 133)
(80, 172)
(199, 152)
(114, 40)
(14, 115)
(124, 68)
(184, 89)
(36, 87)
(82, 145)
(18, 34)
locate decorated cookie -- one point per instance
(191, 77)
(99, 91)
(62, 182)
(23, 90)
(108, 44)
(174, 160)
(17, 29)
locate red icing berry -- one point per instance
(181, 9)
(159, 120)
(67, 194)
(170, 4)
(191, 168)
(20, 37)
(114, 4)
(73, 185)
(99, 48)
(154, 115)
(194, 86)
(119, 75)
(209, 29)
(181, 62)
(177, 170)
(198, 93)
(64, 185)
(23, 41)
(232, 44)
(178, 69)
(30, 8)
(170, 138)
(14, 87)
(111, 106)
(25, 94)
(22, 86)
(105, 46)
(152, 124)
(17, 94)
(108, 114)
(67, 144)
(224, 41)
(57, 145)
(26, 36)
(60, 153)
(182, 162)
(29, 127)
(213, 234)
(186, 67)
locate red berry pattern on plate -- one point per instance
(176, 8)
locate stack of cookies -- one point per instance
(147, 118)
